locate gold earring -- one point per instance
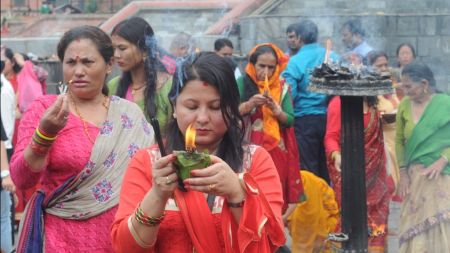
(174, 115)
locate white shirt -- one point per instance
(8, 110)
(237, 73)
(363, 49)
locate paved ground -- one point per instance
(394, 218)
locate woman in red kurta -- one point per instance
(377, 189)
(233, 205)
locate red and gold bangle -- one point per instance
(145, 220)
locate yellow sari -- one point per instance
(312, 220)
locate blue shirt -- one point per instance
(297, 75)
(363, 49)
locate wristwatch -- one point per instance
(242, 183)
(236, 205)
(5, 173)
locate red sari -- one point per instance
(286, 158)
(377, 188)
(279, 140)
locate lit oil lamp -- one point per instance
(190, 159)
(190, 139)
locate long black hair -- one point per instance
(10, 55)
(139, 33)
(411, 47)
(101, 40)
(213, 69)
(373, 56)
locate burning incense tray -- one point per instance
(190, 159)
(338, 79)
(348, 80)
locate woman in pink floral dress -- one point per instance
(77, 146)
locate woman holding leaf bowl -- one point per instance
(232, 205)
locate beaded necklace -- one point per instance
(104, 104)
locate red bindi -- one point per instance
(205, 84)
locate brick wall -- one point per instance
(360, 6)
(428, 32)
(33, 4)
(423, 23)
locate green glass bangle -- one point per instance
(146, 220)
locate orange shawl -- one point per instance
(271, 127)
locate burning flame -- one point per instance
(197, 50)
(378, 230)
(327, 53)
(190, 138)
